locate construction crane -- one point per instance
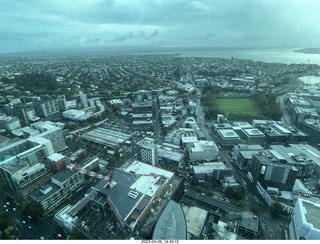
(109, 177)
(151, 174)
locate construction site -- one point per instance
(125, 203)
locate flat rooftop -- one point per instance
(39, 196)
(119, 193)
(63, 175)
(209, 168)
(147, 169)
(176, 156)
(249, 222)
(253, 132)
(195, 218)
(309, 151)
(56, 157)
(313, 213)
(106, 137)
(228, 133)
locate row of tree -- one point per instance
(208, 100)
(34, 82)
(268, 105)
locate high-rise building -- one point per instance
(24, 112)
(9, 123)
(148, 151)
(83, 99)
(24, 166)
(62, 102)
(45, 108)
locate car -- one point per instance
(29, 227)
(14, 209)
(23, 221)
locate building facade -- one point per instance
(305, 223)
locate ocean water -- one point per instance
(286, 56)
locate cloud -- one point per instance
(34, 24)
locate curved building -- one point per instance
(172, 224)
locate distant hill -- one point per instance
(314, 50)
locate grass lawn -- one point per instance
(238, 105)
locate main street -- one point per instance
(272, 227)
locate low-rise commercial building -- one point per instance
(277, 132)
(106, 137)
(228, 138)
(243, 153)
(169, 156)
(311, 152)
(202, 151)
(294, 157)
(211, 171)
(253, 136)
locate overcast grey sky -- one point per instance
(38, 24)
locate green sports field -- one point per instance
(238, 105)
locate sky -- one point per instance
(33, 25)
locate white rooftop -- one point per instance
(56, 157)
(74, 112)
(146, 169)
(146, 185)
(189, 139)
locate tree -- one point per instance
(8, 233)
(77, 235)
(18, 198)
(277, 209)
(6, 221)
(194, 180)
(34, 209)
(242, 203)
(255, 209)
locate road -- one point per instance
(272, 227)
(285, 115)
(157, 125)
(28, 229)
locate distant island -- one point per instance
(308, 50)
